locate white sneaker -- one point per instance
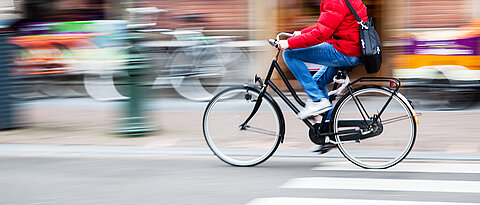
(315, 108)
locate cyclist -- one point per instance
(333, 42)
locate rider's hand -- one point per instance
(283, 44)
(297, 33)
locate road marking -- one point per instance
(316, 201)
(383, 184)
(459, 168)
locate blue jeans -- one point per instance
(324, 54)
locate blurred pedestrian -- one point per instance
(332, 42)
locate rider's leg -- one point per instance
(319, 102)
(323, 77)
(302, 74)
(324, 54)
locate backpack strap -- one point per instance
(359, 21)
(353, 11)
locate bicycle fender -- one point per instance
(275, 106)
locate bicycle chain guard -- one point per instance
(366, 131)
(319, 128)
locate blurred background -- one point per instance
(104, 73)
(130, 55)
(137, 57)
(78, 48)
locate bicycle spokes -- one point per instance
(259, 130)
(396, 119)
(382, 140)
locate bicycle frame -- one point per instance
(350, 122)
(267, 82)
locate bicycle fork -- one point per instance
(255, 108)
(243, 126)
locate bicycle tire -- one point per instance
(251, 146)
(195, 72)
(386, 145)
(199, 73)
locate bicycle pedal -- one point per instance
(324, 148)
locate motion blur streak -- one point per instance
(101, 73)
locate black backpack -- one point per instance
(370, 43)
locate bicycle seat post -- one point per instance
(340, 75)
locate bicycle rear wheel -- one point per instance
(242, 147)
(374, 145)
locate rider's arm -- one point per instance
(330, 18)
(308, 29)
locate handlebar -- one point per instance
(283, 34)
(274, 42)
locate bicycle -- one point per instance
(373, 126)
(195, 65)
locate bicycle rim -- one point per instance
(221, 127)
(196, 72)
(393, 137)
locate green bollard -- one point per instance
(134, 124)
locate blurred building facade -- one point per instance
(393, 18)
(258, 20)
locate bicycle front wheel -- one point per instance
(369, 144)
(238, 146)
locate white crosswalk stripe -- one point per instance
(415, 185)
(318, 201)
(406, 167)
(383, 184)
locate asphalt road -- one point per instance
(157, 173)
(82, 121)
(91, 177)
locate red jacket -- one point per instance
(336, 25)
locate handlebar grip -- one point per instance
(273, 42)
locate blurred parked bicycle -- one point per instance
(195, 65)
(51, 61)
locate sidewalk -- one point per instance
(438, 132)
